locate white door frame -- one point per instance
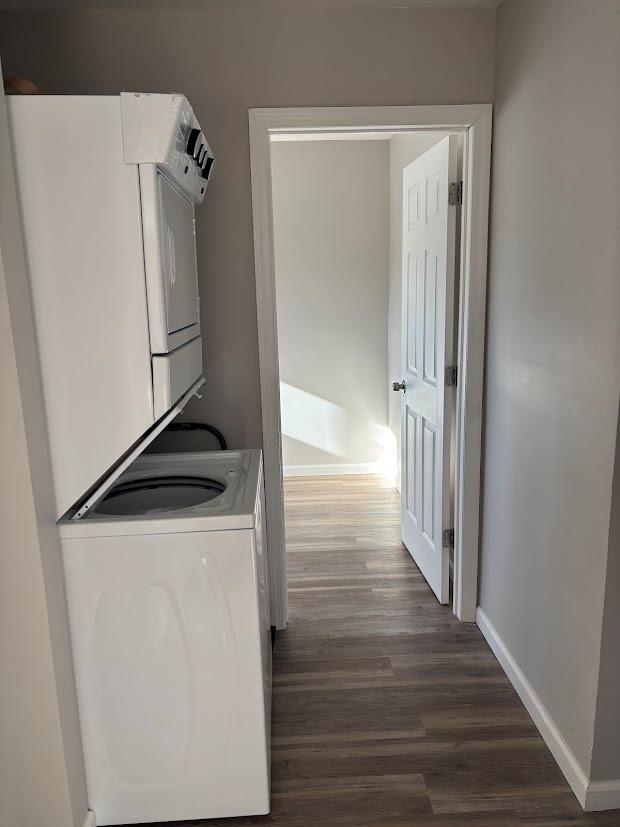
(474, 121)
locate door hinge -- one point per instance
(455, 193)
(448, 538)
(451, 376)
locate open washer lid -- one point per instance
(103, 486)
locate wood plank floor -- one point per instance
(387, 710)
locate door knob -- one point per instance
(398, 386)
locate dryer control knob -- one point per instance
(206, 170)
(193, 144)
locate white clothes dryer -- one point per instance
(167, 592)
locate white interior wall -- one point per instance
(330, 208)
(404, 148)
(606, 745)
(553, 349)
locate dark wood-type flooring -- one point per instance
(386, 709)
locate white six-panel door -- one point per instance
(428, 263)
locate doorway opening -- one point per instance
(363, 299)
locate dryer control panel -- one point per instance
(162, 129)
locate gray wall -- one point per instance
(226, 61)
(41, 770)
(403, 150)
(330, 213)
(606, 751)
(553, 348)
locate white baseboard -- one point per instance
(560, 750)
(331, 470)
(90, 820)
(603, 795)
(592, 795)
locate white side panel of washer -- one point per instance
(264, 604)
(174, 373)
(80, 208)
(168, 662)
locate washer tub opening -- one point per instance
(165, 493)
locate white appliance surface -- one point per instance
(162, 129)
(173, 373)
(169, 619)
(170, 261)
(107, 187)
(80, 210)
(97, 492)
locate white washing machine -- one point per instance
(169, 615)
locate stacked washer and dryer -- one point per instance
(164, 555)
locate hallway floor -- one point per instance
(387, 710)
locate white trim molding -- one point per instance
(592, 795)
(90, 820)
(545, 724)
(470, 362)
(603, 795)
(474, 121)
(332, 470)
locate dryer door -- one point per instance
(178, 255)
(170, 261)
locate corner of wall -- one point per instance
(605, 767)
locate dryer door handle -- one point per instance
(172, 264)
